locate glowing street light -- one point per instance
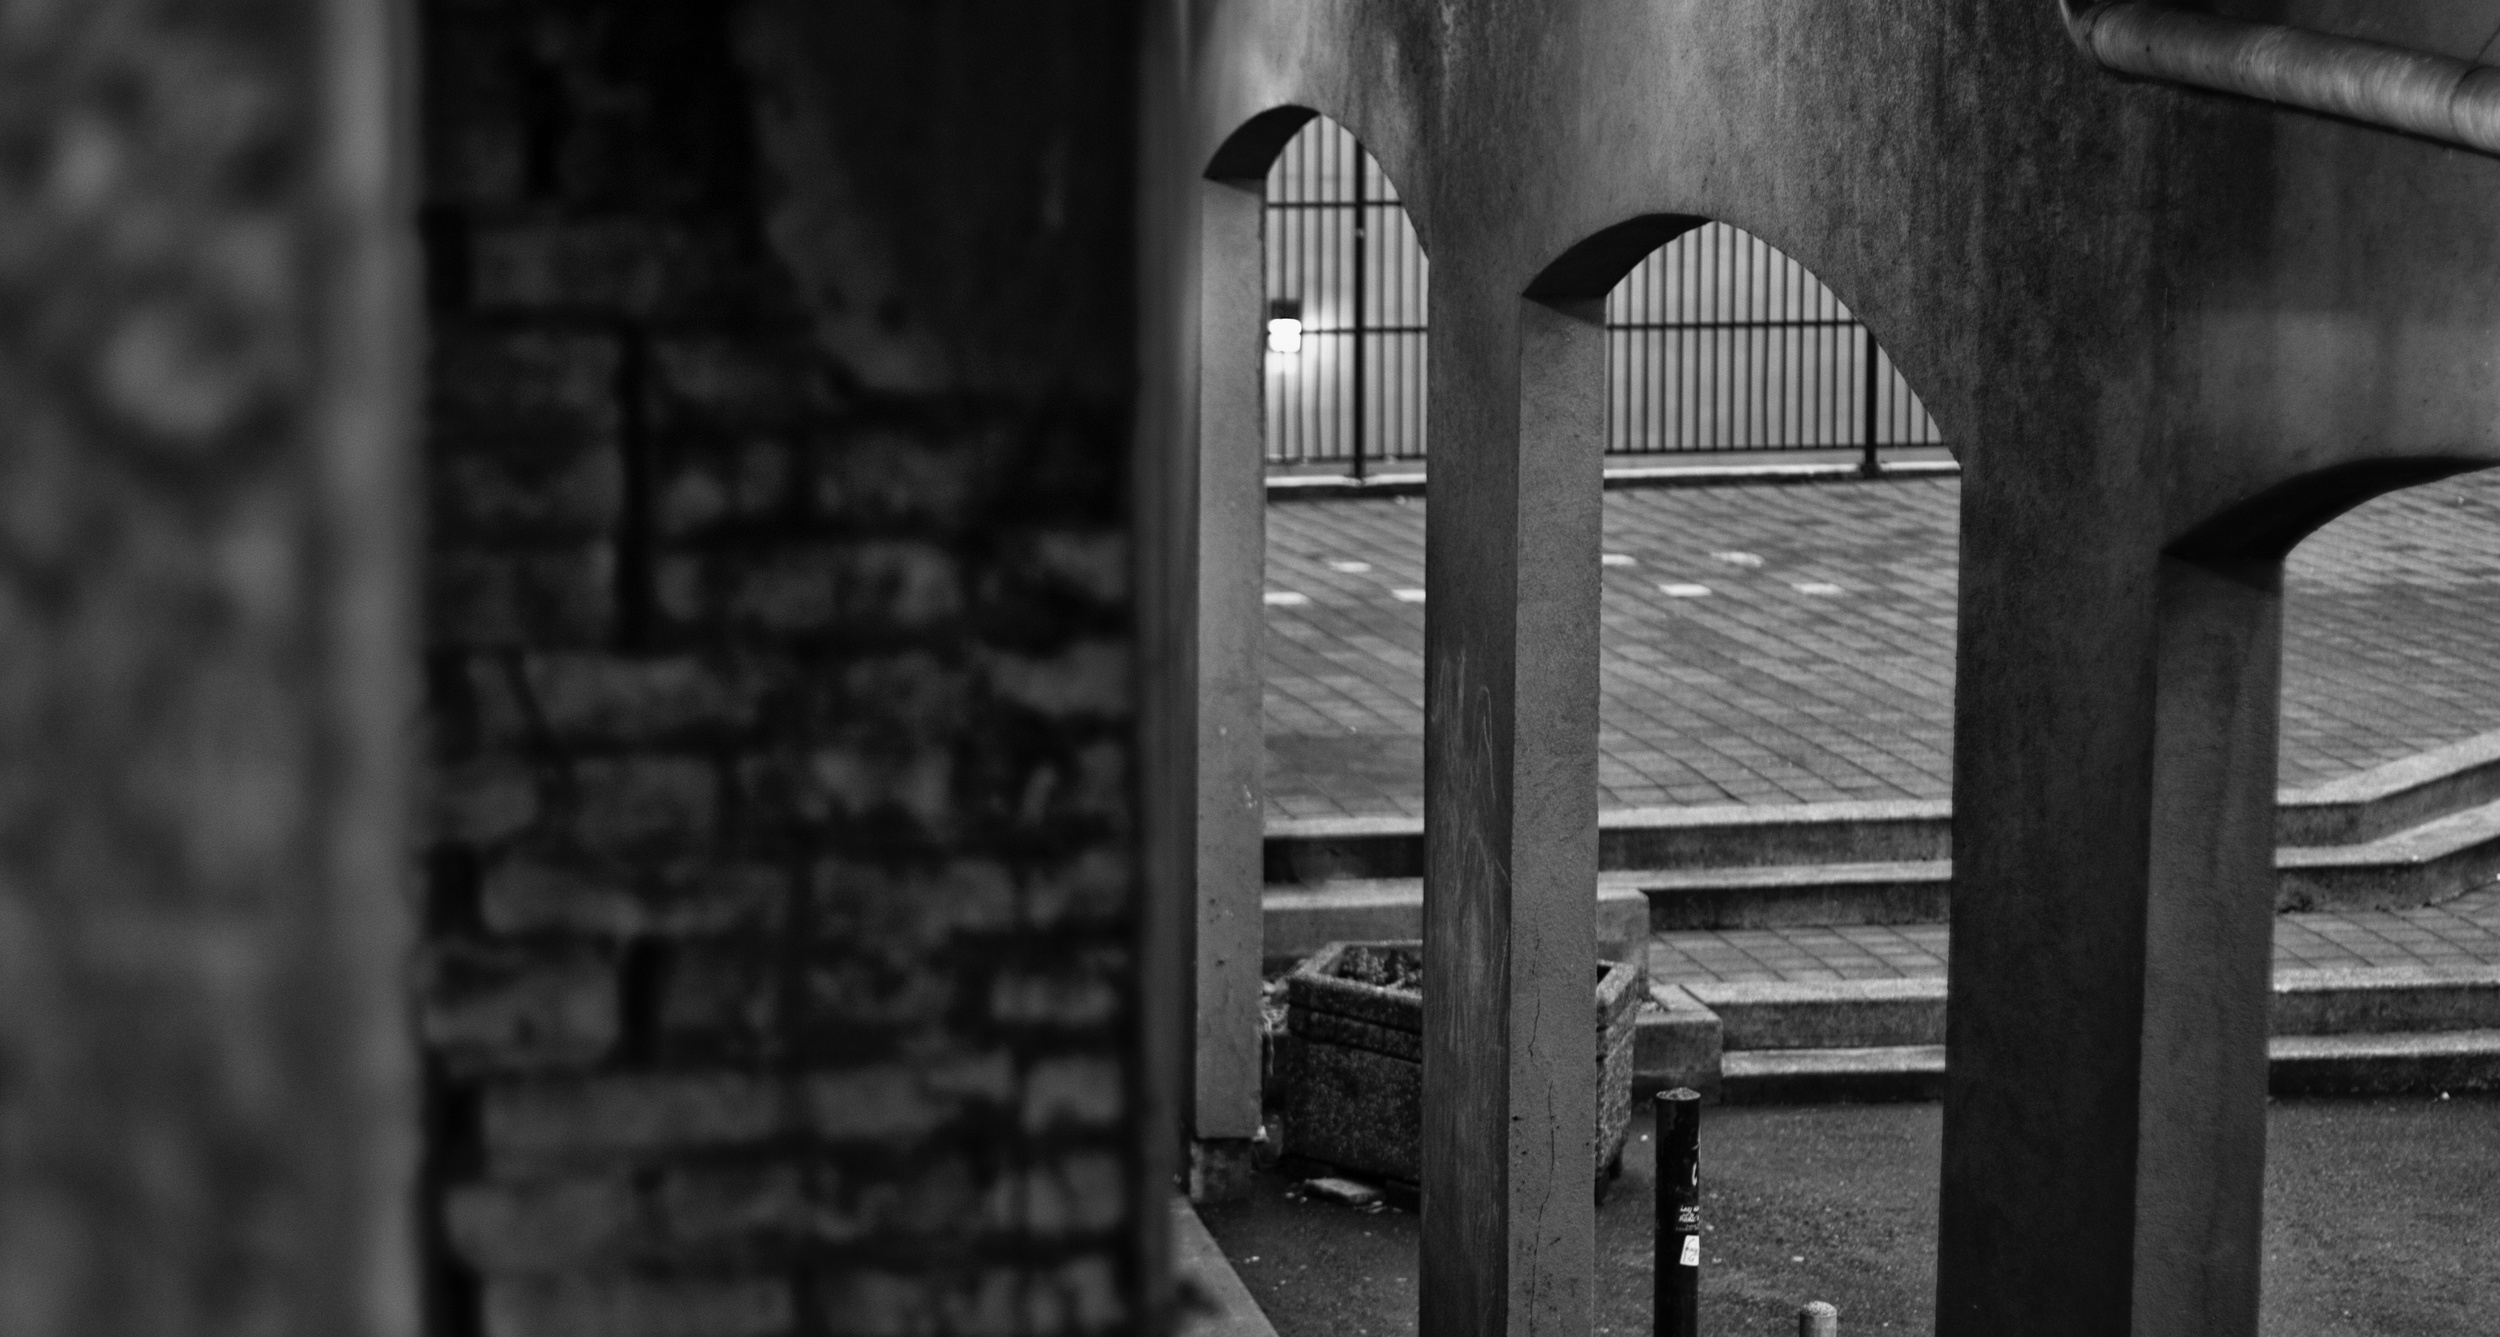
(1284, 326)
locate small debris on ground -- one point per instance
(1351, 1192)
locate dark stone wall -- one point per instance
(780, 878)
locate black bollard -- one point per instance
(1679, 1213)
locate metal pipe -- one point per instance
(1677, 1302)
(2437, 97)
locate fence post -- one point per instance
(1678, 1303)
(1818, 1320)
(1866, 360)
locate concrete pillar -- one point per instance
(1510, 800)
(1232, 556)
(2112, 912)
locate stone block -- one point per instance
(711, 486)
(528, 383)
(721, 381)
(550, 596)
(483, 800)
(635, 803)
(886, 477)
(626, 265)
(626, 1306)
(502, 1006)
(553, 1224)
(531, 894)
(895, 585)
(1078, 1193)
(1088, 680)
(1075, 1093)
(627, 1114)
(597, 697)
(557, 487)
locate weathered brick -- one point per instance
(1074, 1092)
(1081, 1296)
(911, 909)
(860, 993)
(895, 585)
(945, 1199)
(911, 695)
(508, 1006)
(527, 384)
(1093, 784)
(916, 783)
(524, 894)
(1079, 992)
(526, 488)
(878, 476)
(730, 1209)
(722, 485)
(1091, 564)
(618, 1306)
(1080, 1193)
(1097, 886)
(543, 1225)
(876, 1104)
(521, 597)
(593, 1117)
(711, 380)
(864, 1303)
(483, 800)
(626, 699)
(644, 802)
(1091, 680)
(609, 266)
(713, 988)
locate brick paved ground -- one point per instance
(1794, 644)
(2461, 933)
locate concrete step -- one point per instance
(1322, 849)
(1793, 895)
(1300, 920)
(2357, 810)
(2378, 1029)
(2310, 1065)
(2420, 865)
(1884, 1013)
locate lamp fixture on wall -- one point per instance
(1284, 326)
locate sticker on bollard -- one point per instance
(1678, 1302)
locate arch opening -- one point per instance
(1347, 286)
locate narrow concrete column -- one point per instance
(1510, 800)
(1232, 556)
(2208, 948)
(2113, 845)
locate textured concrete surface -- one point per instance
(2462, 932)
(1824, 673)
(2370, 1232)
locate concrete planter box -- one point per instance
(1351, 1060)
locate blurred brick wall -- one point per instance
(778, 891)
(206, 1086)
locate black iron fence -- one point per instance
(1717, 342)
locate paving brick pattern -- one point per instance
(1794, 644)
(2460, 933)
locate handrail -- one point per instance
(2437, 97)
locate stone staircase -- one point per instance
(2388, 945)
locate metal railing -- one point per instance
(1344, 264)
(1716, 342)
